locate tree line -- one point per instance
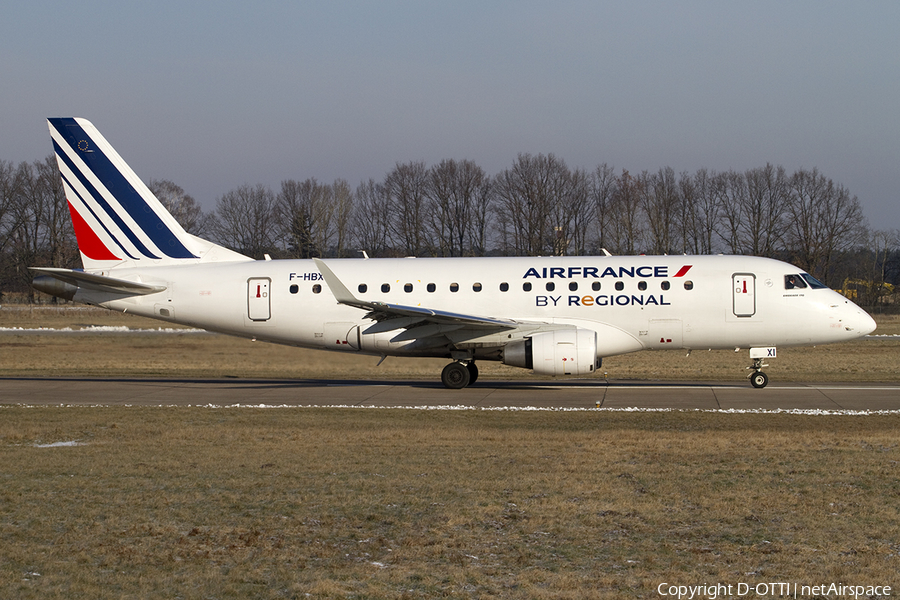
(538, 206)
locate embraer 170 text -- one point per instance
(553, 315)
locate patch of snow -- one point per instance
(59, 444)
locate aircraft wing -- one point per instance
(419, 322)
(80, 279)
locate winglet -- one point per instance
(337, 287)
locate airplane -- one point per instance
(554, 315)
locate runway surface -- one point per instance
(521, 394)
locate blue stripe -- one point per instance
(103, 204)
(90, 210)
(152, 226)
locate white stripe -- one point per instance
(108, 196)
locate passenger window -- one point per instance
(504, 287)
(595, 286)
(620, 285)
(317, 289)
(573, 286)
(526, 287)
(431, 287)
(385, 288)
(407, 288)
(295, 288)
(688, 285)
(362, 288)
(476, 287)
(642, 285)
(793, 281)
(454, 287)
(550, 286)
(664, 285)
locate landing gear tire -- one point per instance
(473, 372)
(759, 379)
(456, 376)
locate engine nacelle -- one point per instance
(560, 352)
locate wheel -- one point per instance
(759, 379)
(473, 372)
(455, 376)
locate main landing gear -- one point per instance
(458, 375)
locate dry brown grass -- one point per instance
(351, 503)
(193, 355)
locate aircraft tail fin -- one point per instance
(118, 221)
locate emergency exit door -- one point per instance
(258, 299)
(744, 294)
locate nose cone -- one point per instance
(857, 322)
(866, 323)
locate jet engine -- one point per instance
(559, 352)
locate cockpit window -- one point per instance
(793, 281)
(813, 282)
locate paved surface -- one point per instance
(484, 394)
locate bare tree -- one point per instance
(824, 220)
(660, 200)
(405, 188)
(11, 183)
(700, 212)
(245, 220)
(625, 233)
(342, 199)
(305, 210)
(602, 186)
(371, 213)
(537, 202)
(183, 207)
(58, 242)
(730, 189)
(574, 215)
(41, 232)
(458, 194)
(765, 204)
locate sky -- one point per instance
(214, 95)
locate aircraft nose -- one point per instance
(859, 322)
(868, 323)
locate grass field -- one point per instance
(207, 355)
(353, 503)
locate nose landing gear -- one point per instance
(758, 379)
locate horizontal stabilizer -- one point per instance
(88, 281)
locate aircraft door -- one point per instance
(258, 299)
(744, 294)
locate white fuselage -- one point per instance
(632, 303)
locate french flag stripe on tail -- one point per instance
(88, 243)
(106, 171)
(74, 196)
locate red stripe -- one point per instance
(683, 270)
(88, 242)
